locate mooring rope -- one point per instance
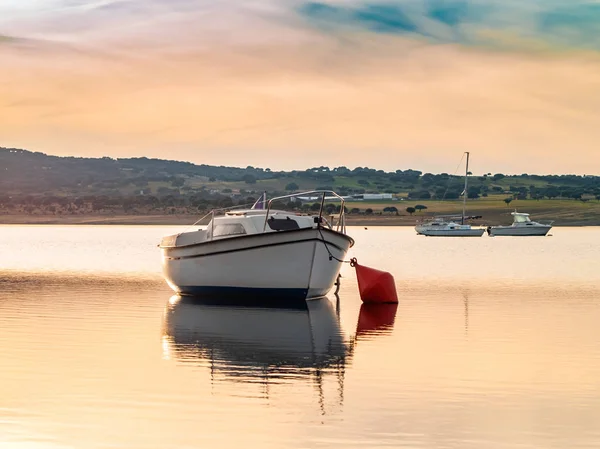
(331, 256)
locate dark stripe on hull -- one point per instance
(519, 235)
(249, 294)
(267, 245)
(263, 235)
(452, 235)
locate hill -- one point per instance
(35, 183)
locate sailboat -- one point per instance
(446, 226)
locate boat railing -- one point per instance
(341, 222)
(212, 214)
(340, 226)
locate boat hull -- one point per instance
(473, 232)
(518, 231)
(287, 265)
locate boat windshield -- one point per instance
(222, 230)
(521, 218)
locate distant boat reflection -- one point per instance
(245, 343)
(375, 319)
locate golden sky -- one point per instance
(294, 85)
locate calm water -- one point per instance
(495, 344)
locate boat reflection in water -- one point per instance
(258, 343)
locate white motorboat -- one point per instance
(521, 226)
(258, 252)
(447, 226)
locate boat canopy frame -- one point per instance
(341, 221)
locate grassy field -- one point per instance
(493, 209)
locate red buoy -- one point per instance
(375, 285)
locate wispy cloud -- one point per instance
(557, 23)
(510, 24)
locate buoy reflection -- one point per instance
(375, 319)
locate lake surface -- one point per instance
(495, 344)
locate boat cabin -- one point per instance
(519, 217)
(253, 222)
(244, 222)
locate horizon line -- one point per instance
(11, 149)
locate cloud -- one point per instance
(494, 23)
(578, 23)
(383, 18)
(452, 13)
(505, 24)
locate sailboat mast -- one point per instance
(465, 191)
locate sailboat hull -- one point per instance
(472, 232)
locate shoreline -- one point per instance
(188, 219)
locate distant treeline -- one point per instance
(143, 204)
(35, 180)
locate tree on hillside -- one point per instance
(331, 208)
(473, 192)
(177, 182)
(369, 211)
(420, 195)
(452, 194)
(391, 210)
(508, 200)
(576, 194)
(551, 192)
(249, 179)
(420, 207)
(440, 193)
(226, 202)
(292, 187)
(411, 210)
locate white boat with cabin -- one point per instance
(258, 252)
(447, 226)
(521, 226)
